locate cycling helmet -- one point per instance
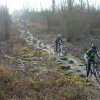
(94, 47)
(59, 35)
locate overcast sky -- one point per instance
(19, 4)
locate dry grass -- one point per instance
(18, 85)
(15, 85)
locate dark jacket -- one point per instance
(59, 41)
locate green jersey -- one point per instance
(91, 54)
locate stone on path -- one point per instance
(59, 62)
(69, 72)
(64, 58)
(71, 62)
(67, 67)
(33, 70)
(82, 75)
(78, 70)
(45, 70)
(81, 65)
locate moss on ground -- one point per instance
(38, 85)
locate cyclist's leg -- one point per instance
(61, 51)
(94, 62)
(56, 47)
(88, 70)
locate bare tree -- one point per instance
(4, 24)
(70, 5)
(53, 6)
(81, 3)
(74, 20)
(88, 5)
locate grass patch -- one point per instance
(18, 85)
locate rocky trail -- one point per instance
(69, 62)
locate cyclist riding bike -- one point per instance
(90, 58)
(58, 42)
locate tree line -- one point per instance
(4, 23)
(72, 19)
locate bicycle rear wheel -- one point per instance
(58, 50)
(96, 76)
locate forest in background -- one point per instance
(74, 21)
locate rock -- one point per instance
(53, 58)
(69, 72)
(21, 65)
(65, 67)
(45, 70)
(78, 70)
(40, 58)
(71, 62)
(82, 75)
(64, 58)
(59, 62)
(34, 58)
(90, 84)
(33, 70)
(44, 47)
(81, 65)
(34, 62)
(23, 70)
(29, 59)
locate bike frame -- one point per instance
(94, 70)
(59, 49)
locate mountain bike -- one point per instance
(94, 71)
(59, 49)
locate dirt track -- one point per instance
(77, 67)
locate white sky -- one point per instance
(19, 4)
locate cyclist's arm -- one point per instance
(61, 40)
(56, 41)
(88, 54)
(85, 57)
(97, 54)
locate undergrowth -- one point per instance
(38, 85)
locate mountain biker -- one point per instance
(90, 57)
(58, 41)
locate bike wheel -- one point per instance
(58, 50)
(96, 76)
(55, 51)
